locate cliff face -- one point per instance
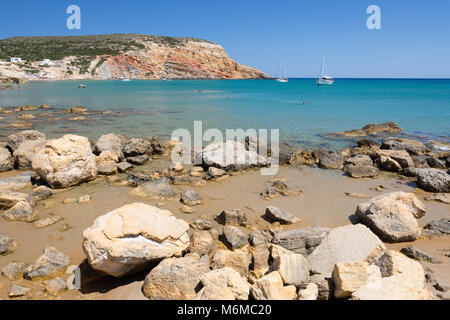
(116, 56)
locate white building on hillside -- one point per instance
(47, 62)
(16, 60)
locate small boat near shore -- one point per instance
(82, 86)
(283, 79)
(323, 79)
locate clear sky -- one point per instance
(414, 40)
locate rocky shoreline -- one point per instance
(232, 255)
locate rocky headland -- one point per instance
(368, 222)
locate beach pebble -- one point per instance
(274, 214)
(18, 291)
(84, 199)
(191, 198)
(46, 222)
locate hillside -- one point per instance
(119, 55)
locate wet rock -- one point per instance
(201, 224)
(6, 160)
(215, 173)
(350, 276)
(301, 157)
(46, 222)
(138, 160)
(229, 156)
(433, 162)
(22, 211)
(14, 270)
(158, 190)
(155, 144)
(270, 287)
(18, 291)
(9, 199)
(84, 199)
(201, 243)
(329, 160)
(137, 147)
(274, 214)
(439, 227)
(41, 193)
(113, 143)
(367, 143)
(372, 129)
(349, 243)
(18, 182)
(25, 153)
(393, 216)
(302, 241)
(433, 180)
(234, 237)
(136, 179)
(221, 284)
(360, 167)
(400, 156)
(417, 254)
(239, 260)
(124, 166)
(413, 147)
(388, 164)
(50, 265)
(131, 238)
(55, 286)
(174, 279)
(7, 245)
(15, 140)
(181, 180)
(293, 268)
(234, 217)
(191, 198)
(311, 292)
(66, 162)
(259, 237)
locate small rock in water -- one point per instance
(139, 160)
(215, 173)
(65, 227)
(186, 209)
(18, 291)
(50, 264)
(22, 211)
(191, 198)
(356, 195)
(84, 199)
(234, 237)
(124, 166)
(14, 270)
(46, 222)
(41, 193)
(201, 224)
(7, 245)
(274, 214)
(70, 201)
(55, 286)
(415, 253)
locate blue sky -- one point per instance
(414, 40)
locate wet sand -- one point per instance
(323, 202)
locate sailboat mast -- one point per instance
(323, 66)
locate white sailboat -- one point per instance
(281, 78)
(324, 80)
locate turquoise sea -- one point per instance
(420, 107)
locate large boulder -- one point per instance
(25, 153)
(15, 140)
(174, 279)
(111, 142)
(403, 279)
(230, 156)
(433, 180)
(6, 160)
(360, 166)
(345, 244)
(66, 162)
(302, 241)
(393, 216)
(133, 237)
(225, 282)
